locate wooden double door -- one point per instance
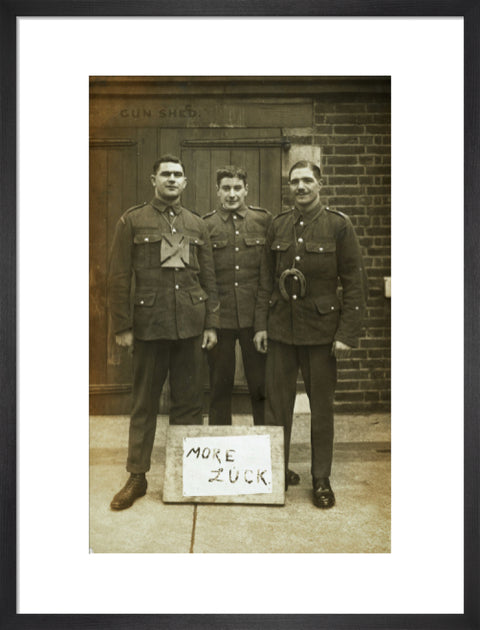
(120, 165)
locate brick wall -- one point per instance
(354, 135)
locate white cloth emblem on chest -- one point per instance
(174, 251)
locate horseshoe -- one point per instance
(296, 273)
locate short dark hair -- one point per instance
(307, 164)
(231, 171)
(167, 158)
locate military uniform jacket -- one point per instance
(168, 302)
(324, 247)
(238, 239)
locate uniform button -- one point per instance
(258, 242)
(200, 298)
(176, 287)
(278, 246)
(176, 269)
(173, 230)
(196, 240)
(320, 249)
(237, 232)
(356, 308)
(237, 267)
(171, 213)
(236, 284)
(333, 308)
(302, 223)
(235, 216)
(295, 278)
(294, 297)
(237, 249)
(142, 302)
(214, 244)
(297, 258)
(300, 240)
(146, 239)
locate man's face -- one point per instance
(169, 181)
(232, 192)
(304, 188)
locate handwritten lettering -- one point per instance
(248, 475)
(214, 453)
(218, 473)
(226, 465)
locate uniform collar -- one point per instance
(242, 212)
(308, 216)
(161, 206)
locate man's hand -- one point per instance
(209, 338)
(260, 341)
(340, 350)
(124, 339)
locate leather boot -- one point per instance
(135, 488)
(293, 478)
(323, 496)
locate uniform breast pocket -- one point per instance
(195, 244)
(146, 252)
(218, 244)
(254, 247)
(321, 256)
(283, 257)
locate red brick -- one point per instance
(349, 129)
(342, 201)
(378, 149)
(345, 170)
(347, 149)
(343, 180)
(346, 190)
(349, 396)
(347, 139)
(324, 129)
(350, 107)
(378, 129)
(379, 107)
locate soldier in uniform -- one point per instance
(301, 321)
(237, 232)
(165, 251)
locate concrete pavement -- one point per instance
(359, 523)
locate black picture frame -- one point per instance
(9, 11)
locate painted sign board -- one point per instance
(232, 464)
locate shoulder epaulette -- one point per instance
(258, 209)
(280, 214)
(209, 214)
(344, 216)
(139, 205)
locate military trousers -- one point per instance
(319, 372)
(221, 361)
(152, 360)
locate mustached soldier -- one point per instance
(299, 318)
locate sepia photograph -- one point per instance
(240, 290)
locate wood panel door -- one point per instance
(204, 151)
(120, 165)
(260, 153)
(113, 188)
